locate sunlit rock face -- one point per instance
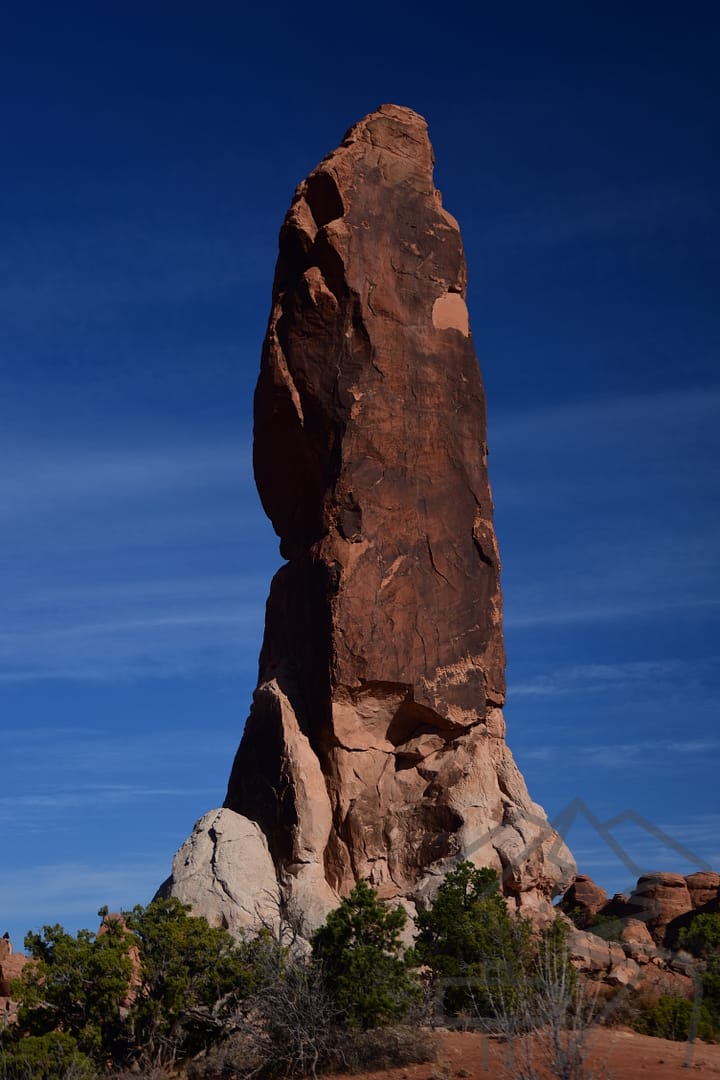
(375, 747)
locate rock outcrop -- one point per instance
(375, 746)
(225, 872)
(583, 900)
(11, 965)
(633, 941)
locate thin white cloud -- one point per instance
(596, 678)
(603, 612)
(624, 754)
(609, 422)
(86, 795)
(136, 643)
(33, 479)
(75, 890)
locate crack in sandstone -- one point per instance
(432, 560)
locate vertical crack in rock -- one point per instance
(383, 630)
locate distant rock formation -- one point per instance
(11, 965)
(375, 746)
(632, 941)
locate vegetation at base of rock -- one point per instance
(193, 978)
(608, 927)
(157, 983)
(365, 968)
(159, 989)
(44, 1057)
(77, 986)
(702, 936)
(676, 1018)
(475, 949)
(702, 939)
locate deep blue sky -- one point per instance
(149, 154)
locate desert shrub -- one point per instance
(390, 1047)
(474, 947)
(702, 936)
(294, 1025)
(152, 986)
(77, 986)
(192, 979)
(342, 1050)
(702, 939)
(54, 1056)
(672, 1017)
(364, 967)
(608, 927)
(711, 991)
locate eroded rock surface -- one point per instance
(224, 871)
(11, 965)
(375, 747)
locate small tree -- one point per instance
(469, 939)
(363, 963)
(702, 939)
(77, 985)
(702, 936)
(673, 1017)
(152, 985)
(547, 1023)
(44, 1057)
(192, 978)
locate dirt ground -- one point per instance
(614, 1054)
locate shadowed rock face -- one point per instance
(375, 747)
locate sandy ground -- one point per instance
(614, 1054)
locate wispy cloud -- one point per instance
(598, 678)
(606, 508)
(58, 798)
(107, 560)
(73, 892)
(599, 611)
(34, 479)
(108, 265)
(140, 647)
(624, 754)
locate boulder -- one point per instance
(624, 973)
(657, 900)
(638, 942)
(594, 955)
(224, 871)
(584, 899)
(704, 889)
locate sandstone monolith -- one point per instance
(375, 746)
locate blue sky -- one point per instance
(150, 153)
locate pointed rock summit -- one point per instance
(375, 746)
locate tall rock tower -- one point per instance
(375, 746)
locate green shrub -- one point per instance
(156, 983)
(711, 991)
(364, 966)
(702, 936)
(671, 1018)
(78, 985)
(469, 939)
(192, 979)
(608, 927)
(54, 1056)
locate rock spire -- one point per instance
(375, 746)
